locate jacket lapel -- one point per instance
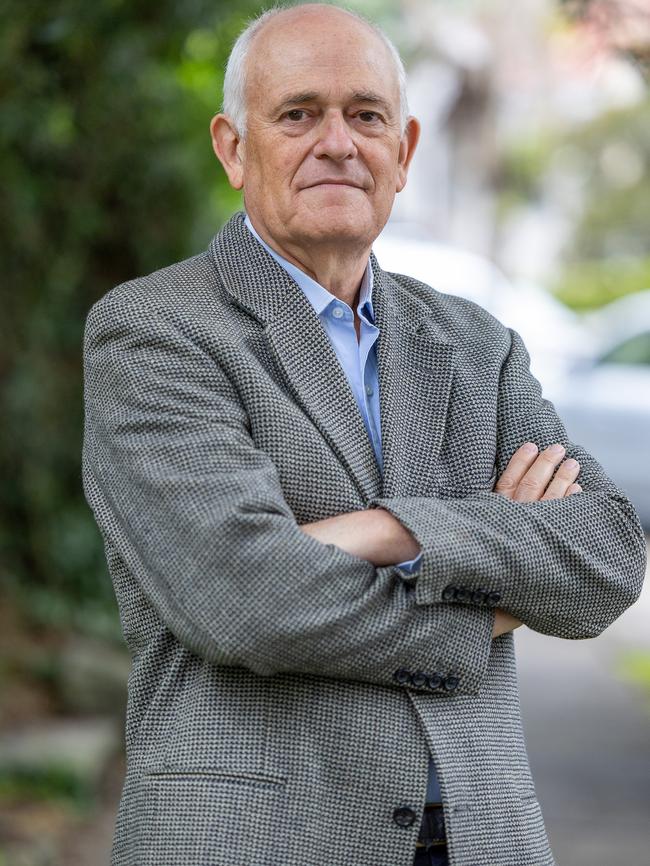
(300, 347)
(313, 373)
(414, 364)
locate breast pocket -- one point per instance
(465, 486)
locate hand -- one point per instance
(526, 479)
(528, 473)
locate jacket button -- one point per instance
(402, 675)
(479, 596)
(449, 592)
(418, 678)
(404, 816)
(493, 597)
(435, 681)
(463, 594)
(451, 682)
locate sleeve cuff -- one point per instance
(411, 565)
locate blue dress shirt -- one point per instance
(358, 358)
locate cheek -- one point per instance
(382, 162)
(277, 168)
(385, 181)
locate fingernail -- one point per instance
(556, 449)
(530, 448)
(571, 463)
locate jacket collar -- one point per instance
(319, 297)
(414, 358)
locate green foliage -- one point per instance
(634, 666)
(590, 284)
(616, 151)
(598, 174)
(51, 783)
(108, 174)
(609, 253)
(522, 169)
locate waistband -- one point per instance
(432, 828)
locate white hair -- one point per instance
(234, 98)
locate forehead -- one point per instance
(334, 56)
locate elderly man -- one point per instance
(291, 456)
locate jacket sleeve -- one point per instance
(566, 567)
(196, 512)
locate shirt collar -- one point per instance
(318, 295)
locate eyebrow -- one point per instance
(357, 96)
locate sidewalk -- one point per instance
(588, 739)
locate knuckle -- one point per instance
(506, 482)
(529, 484)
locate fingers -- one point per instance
(529, 475)
(533, 484)
(519, 464)
(563, 480)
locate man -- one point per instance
(292, 455)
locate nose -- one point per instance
(334, 139)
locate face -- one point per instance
(323, 156)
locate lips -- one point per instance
(333, 181)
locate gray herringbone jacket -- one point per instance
(266, 725)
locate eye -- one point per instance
(368, 116)
(295, 111)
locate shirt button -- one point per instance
(369, 390)
(337, 312)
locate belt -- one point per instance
(432, 828)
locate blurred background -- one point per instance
(529, 193)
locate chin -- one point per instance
(342, 224)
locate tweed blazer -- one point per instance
(284, 694)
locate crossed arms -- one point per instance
(375, 535)
(196, 512)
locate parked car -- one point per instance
(605, 399)
(594, 368)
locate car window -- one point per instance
(636, 350)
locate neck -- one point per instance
(337, 267)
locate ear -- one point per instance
(229, 148)
(407, 147)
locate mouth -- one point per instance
(334, 183)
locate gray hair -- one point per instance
(234, 101)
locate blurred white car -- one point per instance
(604, 400)
(595, 369)
(553, 334)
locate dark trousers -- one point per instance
(432, 840)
